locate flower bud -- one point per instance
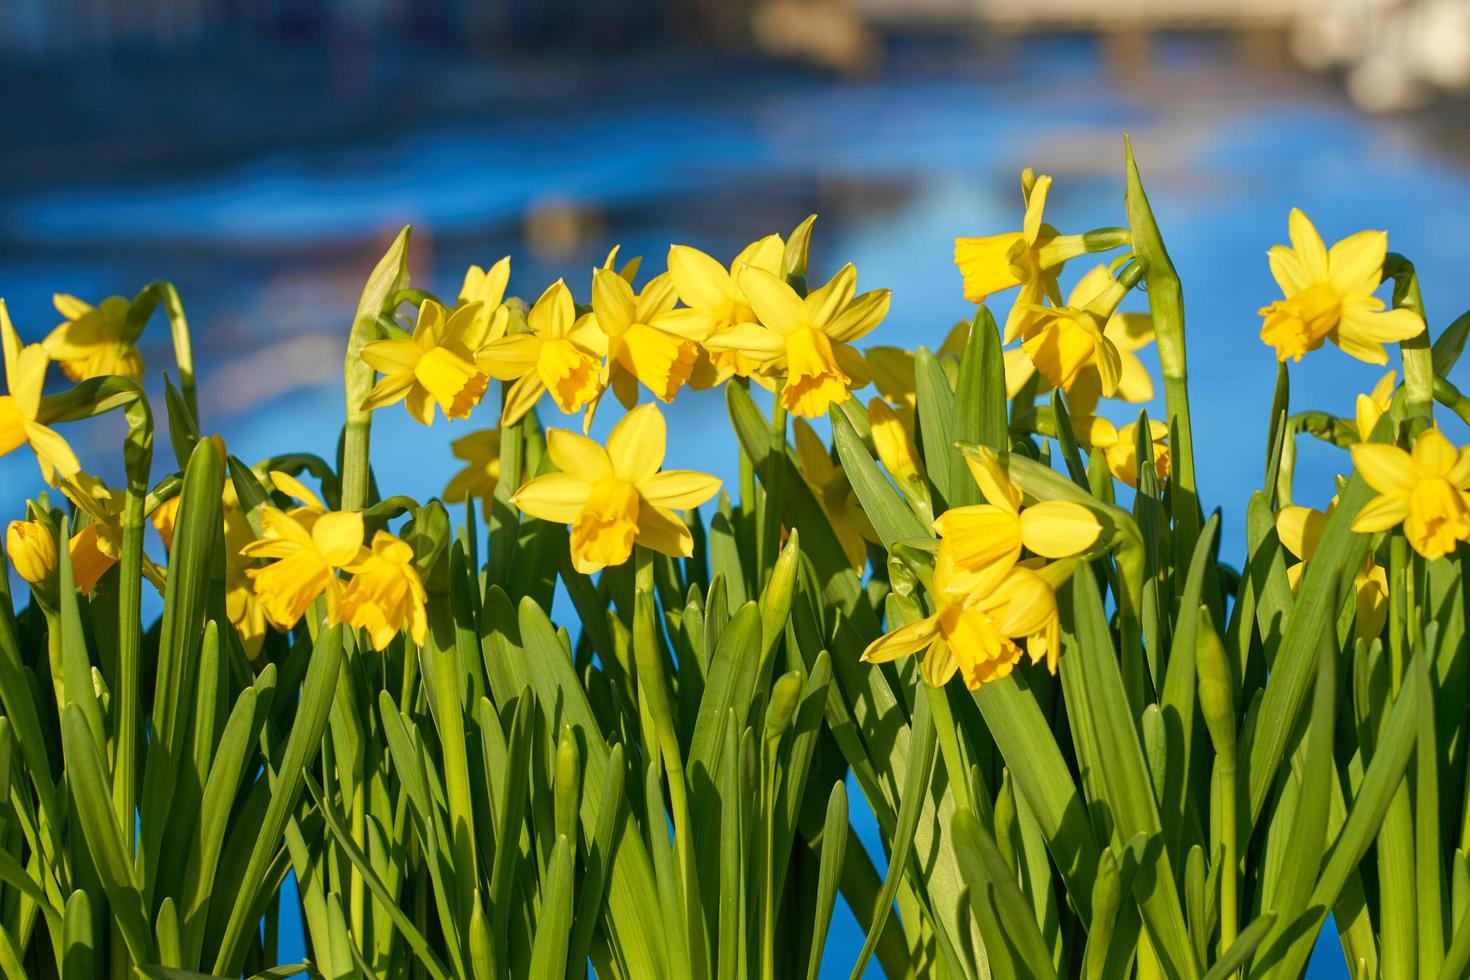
(32, 550)
(1216, 687)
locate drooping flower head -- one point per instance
(1371, 406)
(1071, 346)
(386, 593)
(556, 355)
(1120, 445)
(714, 302)
(806, 340)
(94, 341)
(1427, 491)
(20, 407)
(481, 454)
(614, 497)
(434, 367)
(1031, 258)
(1299, 530)
(1329, 296)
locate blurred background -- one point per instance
(261, 154)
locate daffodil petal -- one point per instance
(554, 497)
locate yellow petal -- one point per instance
(774, 302)
(1387, 469)
(824, 303)
(577, 455)
(1310, 251)
(554, 497)
(521, 398)
(699, 280)
(1300, 528)
(980, 534)
(1363, 328)
(655, 299)
(1438, 518)
(1433, 454)
(985, 264)
(1287, 270)
(391, 356)
(295, 489)
(678, 489)
(612, 301)
(636, 444)
(661, 531)
(902, 642)
(554, 313)
(750, 339)
(1381, 513)
(994, 483)
(1356, 262)
(1035, 206)
(860, 316)
(338, 536)
(662, 361)
(1058, 529)
(895, 447)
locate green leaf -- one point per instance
(829, 874)
(1240, 951)
(891, 517)
(1000, 908)
(980, 392)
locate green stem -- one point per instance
(769, 543)
(1418, 359)
(1225, 782)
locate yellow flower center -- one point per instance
(452, 381)
(813, 379)
(568, 373)
(1438, 518)
(1299, 324)
(603, 532)
(979, 649)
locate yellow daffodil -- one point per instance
(386, 593)
(714, 302)
(892, 371)
(829, 484)
(1425, 490)
(31, 546)
(981, 635)
(1120, 446)
(1031, 258)
(1329, 296)
(644, 338)
(614, 497)
(481, 453)
(163, 518)
(97, 546)
(1370, 407)
(1070, 344)
(25, 374)
(806, 340)
(242, 606)
(1300, 529)
(894, 442)
(557, 354)
(434, 367)
(985, 540)
(93, 341)
(485, 289)
(308, 544)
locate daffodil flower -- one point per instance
(1031, 258)
(25, 374)
(485, 287)
(1370, 407)
(834, 494)
(434, 367)
(93, 341)
(1329, 295)
(615, 497)
(309, 544)
(98, 546)
(1120, 446)
(714, 302)
(1071, 345)
(242, 606)
(386, 593)
(1425, 491)
(31, 547)
(981, 635)
(807, 340)
(557, 354)
(892, 372)
(1299, 530)
(985, 540)
(481, 454)
(644, 338)
(893, 438)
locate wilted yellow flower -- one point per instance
(1120, 445)
(31, 546)
(715, 302)
(1300, 529)
(1425, 491)
(93, 341)
(386, 593)
(614, 497)
(806, 341)
(435, 367)
(308, 544)
(481, 453)
(894, 442)
(985, 540)
(1329, 295)
(556, 355)
(829, 484)
(25, 374)
(485, 287)
(1070, 344)
(644, 340)
(980, 634)
(1370, 407)
(1031, 258)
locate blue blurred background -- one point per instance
(261, 153)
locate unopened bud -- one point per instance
(32, 550)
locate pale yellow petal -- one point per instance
(636, 444)
(577, 455)
(555, 497)
(678, 489)
(1356, 262)
(774, 302)
(1058, 529)
(903, 641)
(1387, 469)
(1382, 513)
